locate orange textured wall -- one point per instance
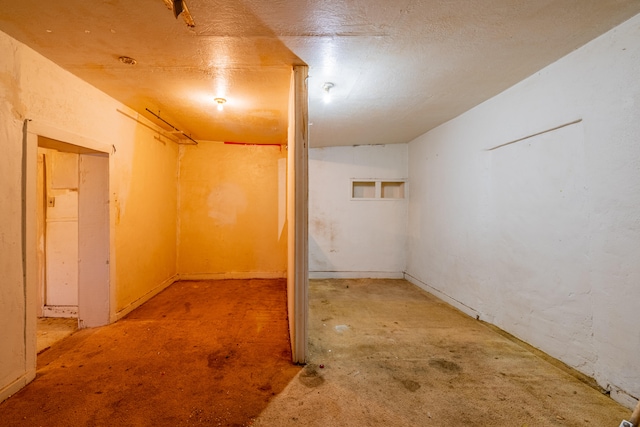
(145, 216)
(231, 211)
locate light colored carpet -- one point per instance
(53, 329)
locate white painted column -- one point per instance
(297, 206)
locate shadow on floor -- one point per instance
(50, 330)
(199, 353)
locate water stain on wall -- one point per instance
(226, 201)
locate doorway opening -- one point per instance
(72, 232)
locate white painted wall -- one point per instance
(542, 237)
(356, 238)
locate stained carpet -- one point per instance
(199, 353)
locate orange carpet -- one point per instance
(199, 353)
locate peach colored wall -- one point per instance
(13, 372)
(142, 195)
(143, 171)
(145, 217)
(229, 204)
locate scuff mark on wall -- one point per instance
(324, 227)
(116, 204)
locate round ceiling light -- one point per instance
(327, 86)
(220, 102)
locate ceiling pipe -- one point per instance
(172, 126)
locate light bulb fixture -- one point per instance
(220, 102)
(327, 86)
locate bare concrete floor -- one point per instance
(385, 353)
(50, 330)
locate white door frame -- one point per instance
(31, 132)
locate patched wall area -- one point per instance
(232, 205)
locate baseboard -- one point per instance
(198, 276)
(615, 393)
(12, 388)
(146, 297)
(234, 275)
(441, 295)
(60, 311)
(622, 397)
(356, 275)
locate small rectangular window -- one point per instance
(392, 190)
(364, 190)
(377, 189)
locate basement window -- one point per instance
(363, 190)
(392, 190)
(377, 189)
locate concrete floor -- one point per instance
(50, 330)
(386, 353)
(382, 353)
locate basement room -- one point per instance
(338, 213)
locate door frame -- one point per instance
(32, 130)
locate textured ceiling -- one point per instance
(399, 67)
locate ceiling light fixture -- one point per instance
(128, 60)
(221, 102)
(327, 86)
